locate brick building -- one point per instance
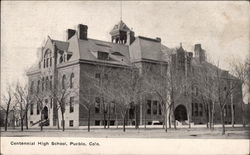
(79, 63)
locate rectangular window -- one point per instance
(31, 123)
(97, 105)
(155, 107)
(71, 104)
(51, 103)
(106, 76)
(149, 107)
(98, 75)
(50, 83)
(102, 55)
(192, 109)
(159, 108)
(196, 109)
(38, 108)
(50, 62)
(97, 122)
(31, 109)
(71, 123)
(201, 109)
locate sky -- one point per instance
(221, 27)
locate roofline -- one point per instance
(150, 39)
(150, 61)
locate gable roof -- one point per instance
(62, 45)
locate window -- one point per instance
(159, 108)
(51, 103)
(196, 91)
(201, 109)
(112, 108)
(50, 62)
(71, 80)
(98, 75)
(102, 55)
(106, 76)
(192, 109)
(63, 81)
(149, 107)
(50, 83)
(31, 87)
(47, 62)
(47, 83)
(71, 123)
(38, 108)
(196, 109)
(71, 104)
(154, 107)
(97, 105)
(44, 63)
(42, 83)
(31, 108)
(97, 122)
(38, 86)
(31, 123)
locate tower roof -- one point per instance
(121, 26)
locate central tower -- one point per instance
(122, 34)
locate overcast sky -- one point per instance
(221, 27)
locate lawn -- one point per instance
(200, 132)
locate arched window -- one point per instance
(72, 80)
(47, 58)
(63, 81)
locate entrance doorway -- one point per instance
(180, 113)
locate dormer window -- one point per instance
(102, 55)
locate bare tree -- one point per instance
(241, 71)
(123, 91)
(223, 87)
(8, 100)
(23, 100)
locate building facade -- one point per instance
(71, 80)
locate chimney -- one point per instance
(71, 33)
(199, 52)
(83, 31)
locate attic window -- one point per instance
(102, 55)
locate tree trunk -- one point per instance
(207, 116)
(41, 123)
(165, 121)
(89, 120)
(174, 116)
(124, 122)
(169, 119)
(212, 116)
(26, 120)
(21, 123)
(232, 114)
(63, 122)
(6, 120)
(223, 122)
(109, 116)
(243, 115)
(136, 119)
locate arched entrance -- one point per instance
(180, 113)
(45, 113)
